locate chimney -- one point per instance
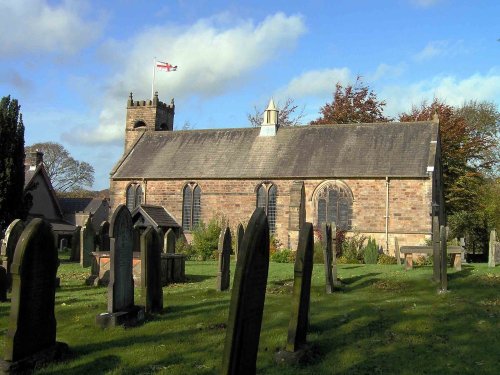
(33, 159)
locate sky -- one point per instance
(72, 64)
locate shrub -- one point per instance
(344, 260)
(352, 247)
(206, 239)
(274, 245)
(386, 259)
(182, 247)
(370, 253)
(283, 256)
(318, 256)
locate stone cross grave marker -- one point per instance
(104, 236)
(494, 250)
(299, 321)
(247, 299)
(326, 240)
(169, 247)
(12, 235)
(87, 243)
(75, 245)
(240, 232)
(121, 308)
(31, 334)
(436, 250)
(223, 274)
(443, 260)
(151, 290)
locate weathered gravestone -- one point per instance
(247, 299)
(240, 232)
(136, 236)
(75, 245)
(326, 239)
(223, 274)
(161, 238)
(12, 235)
(443, 261)
(397, 253)
(336, 280)
(494, 250)
(87, 243)
(151, 290)
(104, 236)
(296, 350)
(436, 250)
(121, 308)
(31, 335)
(169, 247)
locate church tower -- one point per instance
(147, 115)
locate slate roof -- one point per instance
(156, 214)
(72, 205)
(320, 151)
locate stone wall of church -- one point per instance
(409, 204)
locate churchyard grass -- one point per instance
(384, 320)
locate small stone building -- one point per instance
(380, 179)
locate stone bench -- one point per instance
(456, 252)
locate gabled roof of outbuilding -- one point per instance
(157, 215)
(320, 151)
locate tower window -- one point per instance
(191, 206)
(266, 199)
(134, 196)
(139, 124)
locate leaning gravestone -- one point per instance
(169, 246)
(75, 244)
(151, 291)
(247, 299)
(104, 236)
(31, 336)
(121, 308)
(223, 274)
(240, 232)
(12, 235)
(87, 243)
(326, 239)
(443, 260)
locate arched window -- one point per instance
(191, 206)
(266, 198)
(334, 204)
(139, 124)
(134, 196)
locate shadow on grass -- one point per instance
(98, 366)
(353, 282)
(198, 278)
(350, 267)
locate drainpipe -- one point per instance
(387, 214)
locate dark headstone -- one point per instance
(326, 240)
(161, 238)
(87, 243)
(336, 280)
(247, 299)
(151, 291)
(136, 237)
(223, 274)
(4, 284)
(240, 232)
(75, 245)
(169, 247)
(32, 322)
(443, 263)
(436, 251)
(297, 329)
(121, 308)
(104, 236)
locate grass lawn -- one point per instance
(382, 321)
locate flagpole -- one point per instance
(154, 76)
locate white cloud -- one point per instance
(28, 26)
(438, 48)
(385, 71)
(315, 83)
(214, 56)
(452, 90)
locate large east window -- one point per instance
(334, 204)
(191, 206)
(266, 198)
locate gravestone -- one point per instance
(436, 250)
(443, 261)
(240, 232)
(494, 250)
(223, 274)
(247, 299)
(31, 335)
(161, 238)
(169, 247)
(4, 284)
(151, 290)
(121, 308)
(336, 280)
(299, 321)
(136, 237)
(326, 240)
(75, 245)
(12, 235)
(397, 253)
(104, 236)
(63, 244)
(87, 243)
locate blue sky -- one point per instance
(72, 64)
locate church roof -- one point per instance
(320, 151)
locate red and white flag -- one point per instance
(160, 65)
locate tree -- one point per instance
(287, 115)
(66, 173)
(13, 204)
(352, 104)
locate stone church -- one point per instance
(382, 180)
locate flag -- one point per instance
(160, 65)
